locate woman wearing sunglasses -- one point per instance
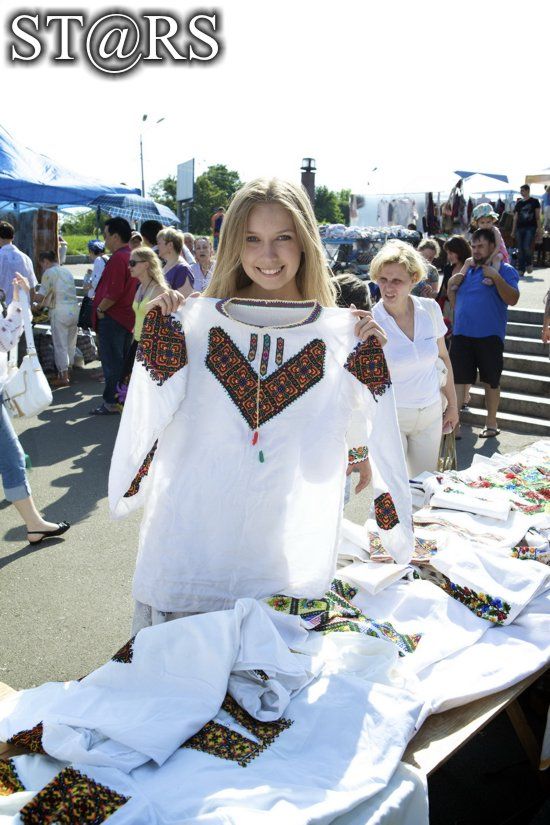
(145, 267)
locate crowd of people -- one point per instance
(438, 332)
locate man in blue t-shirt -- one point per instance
(481, 311)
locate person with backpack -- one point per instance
(98, 259)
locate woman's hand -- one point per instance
(450, 418)
(20, 282)
(365, 473)
(169, 301)
(367, 326)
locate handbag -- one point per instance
(27, 392)
(447, 453)
(87, 345)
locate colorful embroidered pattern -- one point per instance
(316, 309)
(143, 471)
(71, 798)
(528, 486)
(368, 364)
(219, 740)
(482, 604)
(9, 781)
(264, 363)
(253, 347)
(280, 351)
(424, 549)
(126, 653)
(161, 348)
(335, 614)
(357, 454)
(540, 554)
(29, 740)
(385, 512)
(280, 389)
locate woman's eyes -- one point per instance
(253, 238)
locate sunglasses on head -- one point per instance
(134, 261)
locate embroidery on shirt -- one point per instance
(277, 391)
(368, 364)
(72, 798)
(28, 740)
(385, 512)
(253, 346)
(143, 471)
(280, 351)
(9, 780)
(358, 454)
(126, 653)
(335, 614)
(423, 551)
(540, 554)
(264, 363)
(219, 740)
(161, 349)
(482, 604)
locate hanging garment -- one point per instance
(382, 212)
(233, 435)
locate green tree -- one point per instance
(343, 201)
(213, 188)
(327, 206)
(164, 191)
(83, 223)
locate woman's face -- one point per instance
(139, 269)
(452, 257)
(395, 284)
(165, 248)
(203, 251)
(428, 254)
(272, 252)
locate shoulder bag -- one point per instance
(27, 392)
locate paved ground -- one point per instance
(65, 607)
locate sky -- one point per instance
(411, 90)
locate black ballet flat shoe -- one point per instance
(62, 527)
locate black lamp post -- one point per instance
(308, 177)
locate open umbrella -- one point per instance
(135, 208)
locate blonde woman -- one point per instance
(203, 269)
(248, 391)
(145, 267)
(178, 276)
(416, 339)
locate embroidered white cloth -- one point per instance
(482, 502)
(493, 585)
(375, 576)
(127, 712)
(248, 403)
(433, 522)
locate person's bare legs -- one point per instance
(492, 399)
(32, 518)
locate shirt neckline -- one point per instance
(313, 306)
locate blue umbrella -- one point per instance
(135, 208)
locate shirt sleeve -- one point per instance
(45, 285)
(157, 388)
(368, 370)
(11, 327)
(97, 272)
(510, 275)
(181, 274)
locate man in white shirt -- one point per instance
(13, 261)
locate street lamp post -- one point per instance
(308, 170)
(143, 119)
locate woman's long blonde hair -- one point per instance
(313, 277)
(154, 269)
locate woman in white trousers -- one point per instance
(416, 339)
(58, 287)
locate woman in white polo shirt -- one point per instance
(416, 339)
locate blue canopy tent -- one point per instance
(27, 177)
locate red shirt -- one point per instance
(117, 285)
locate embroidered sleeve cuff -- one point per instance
(357, 454)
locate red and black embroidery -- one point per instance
(9, 780)
(126, 653)
(280, 351)
(385, 512)
(280, 389)
(253, 346)
(368, 364)
(133, 489)
(161, 349)
(72, 798)
(29, 740)
(219, 740)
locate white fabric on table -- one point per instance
(122, 715)
(375, 576)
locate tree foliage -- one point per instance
(331, 207)
(164, 191)
(214, 188)
(83, 223)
